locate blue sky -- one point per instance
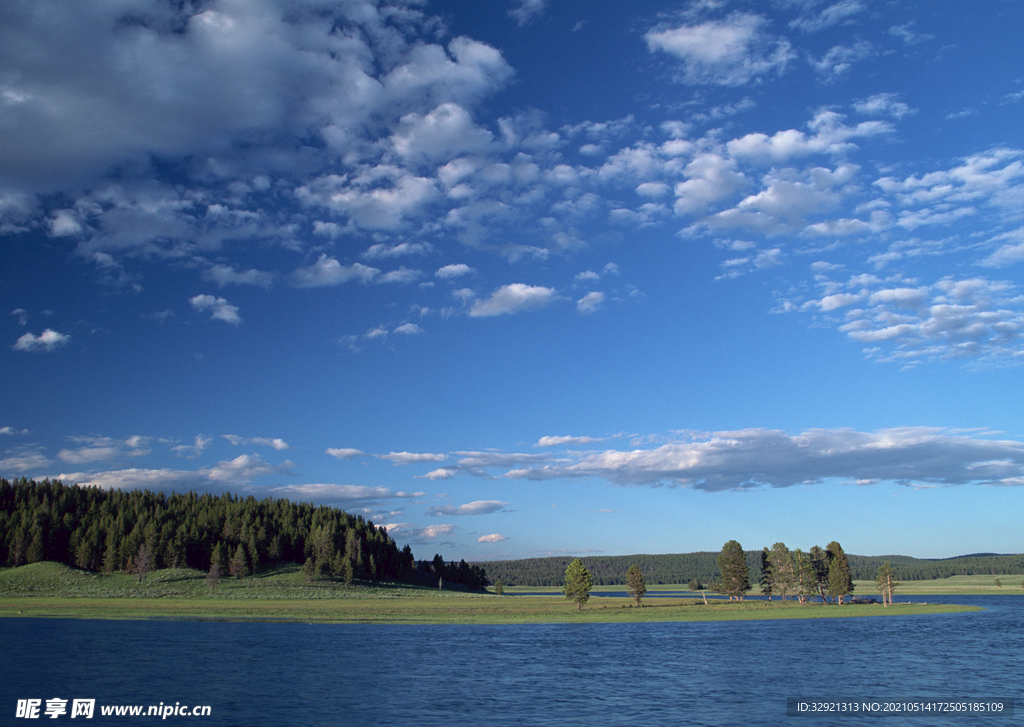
(525, 278)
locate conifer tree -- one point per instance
(766, 574)
(839, 581)
(577, 583)
(238, 565)
(635, 585)
(735, 573)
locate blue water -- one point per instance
(643, 674)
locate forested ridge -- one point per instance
(682, 568)
(110, 530)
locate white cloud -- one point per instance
(24, 462)
(760, 457)
(332, 493)
(328, 271)
(278, 444)
(590, 302)
(413, 534)
(953, 318)
(244, 468)
(441, 473)
(559, 441)
(832, 15)
(402, 275)
(513, 298)
(527, 10)
(840, 59)
(345, 453)
(219, 308)
(382, 251)
(453, 271)
(403, 458)
(408, 329)
(133, 478)
(48, 340)
(225, 275)
(883, 103)
(195, 449)
(729, 52)
(492, 538)
(479, 507)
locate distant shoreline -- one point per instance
(52, 590)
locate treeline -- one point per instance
(438, 572)
(111, 530)
(610, 570)
(703, 567)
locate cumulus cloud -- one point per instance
(403, 458)
(953, 318)
(382, 251)
(334, 493)
(219, 308)
(345, 453)
(513, 298)
(96, 449)
(192, 450)
(276, 443)
(769, 458)
(728, 52)
(479, 507)
(414, 534)
(453, 271)
(590, 302)
(227, 275)
(492, 538)
(559, 441)
(48, 340)
(244, 468)
(24, 461)
(328, 271)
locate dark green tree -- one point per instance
(820, 561)
(635, 585)
(735, 573)
(239, 565)
(766, 573)
(577, 583)
(839, 581)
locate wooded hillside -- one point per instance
(96, 529)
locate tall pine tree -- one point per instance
(735, 573)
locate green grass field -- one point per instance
(54, 590)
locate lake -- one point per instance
(725, 673)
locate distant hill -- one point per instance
(608, 570)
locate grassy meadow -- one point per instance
(54, 590)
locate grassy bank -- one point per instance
(54, 590)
